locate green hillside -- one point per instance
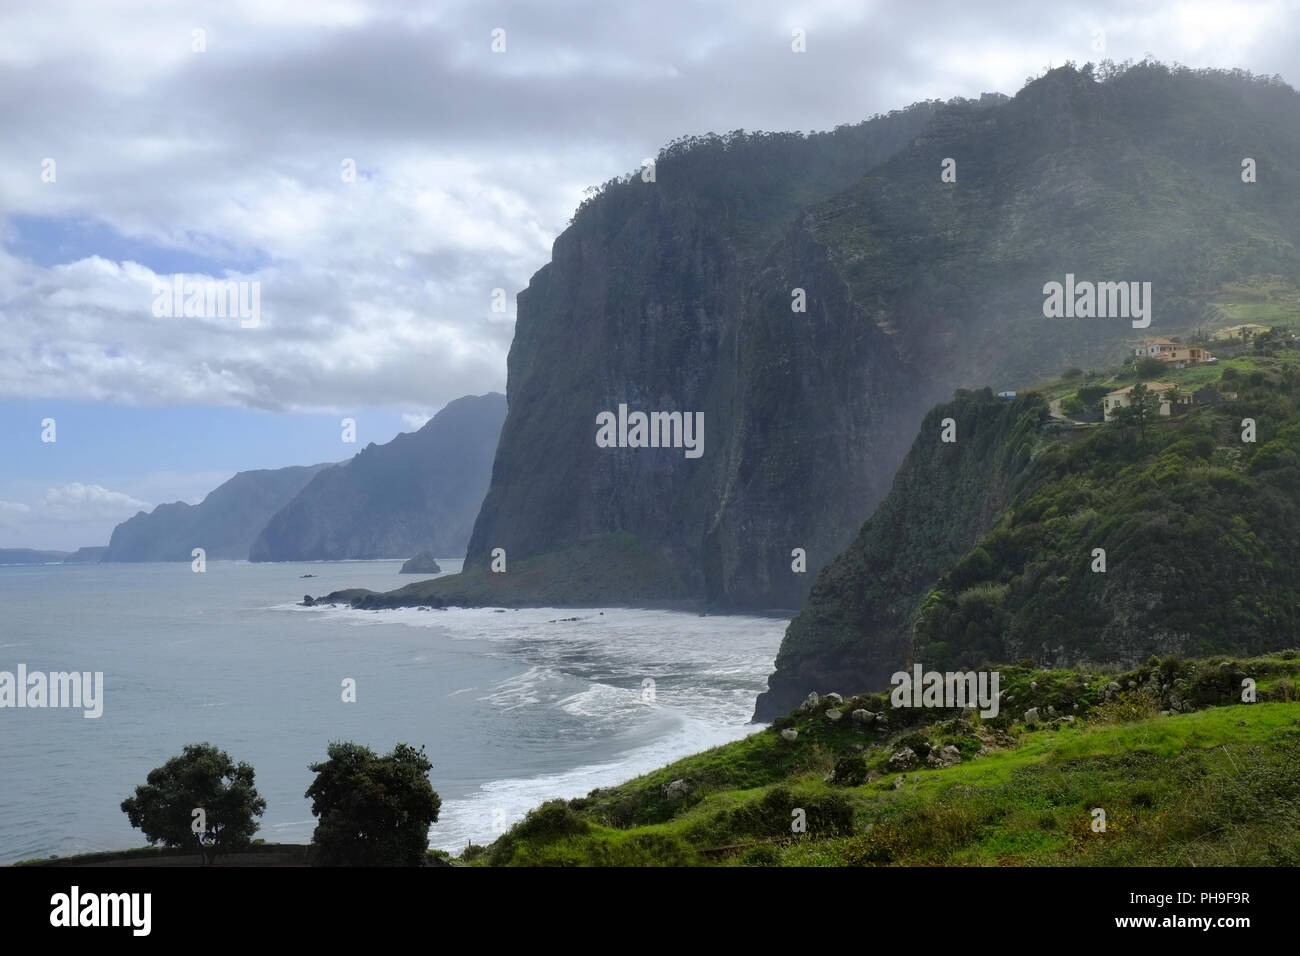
(1184, 772)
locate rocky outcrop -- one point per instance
(422, 563)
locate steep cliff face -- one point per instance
(853, 631)
(1181, 542)
(1017, 544)
(418, 492)
(676, 295)
(224, 524)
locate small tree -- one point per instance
(201, 799)
(1143, 406)
(1173, 395)
(1148, 367)
(373, 811)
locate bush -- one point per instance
(761, 856)
(850, 770)
(919, 743)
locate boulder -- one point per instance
(834, 715)
(904, 759)
(1031, 715)
(810, 701)
(864, 717)
(677, 790)
(948, 756)
(422, 563)
(790, 734)
(834, 698)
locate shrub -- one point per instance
(761, 856)
(850, 770)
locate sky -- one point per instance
(376, 170)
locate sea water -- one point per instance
(514, 707)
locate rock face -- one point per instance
(422, 563)
(418, 492)
(853, 629)
(813, 297)
(224, 524)
(675, 296)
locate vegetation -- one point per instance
(1212, 781)
(1196, 525)
(373, 811)
(201, 800)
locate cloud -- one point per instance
(415, 420)
(78, 502)
(468, 163)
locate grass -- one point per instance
(1218, 785)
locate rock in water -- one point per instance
(422, 563)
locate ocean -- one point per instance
(514, 707)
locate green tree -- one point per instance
(373, 811)
(1091, 395)
(1173, 395)
(1142, 408)
(201, 799)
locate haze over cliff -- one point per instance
(224, 524)
(419, 492)
(814, 296)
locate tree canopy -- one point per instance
(373, 810)
(201, 799)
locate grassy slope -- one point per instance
(1216, 785)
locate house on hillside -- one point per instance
(1155, 348)
(1119, 398)
(1167, 350)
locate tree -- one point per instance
(1148, 367)
(373, 811)
(1091, 395)
(1143, 406)
(201, 799)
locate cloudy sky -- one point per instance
(133, 148)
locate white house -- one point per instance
(1119, 398)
